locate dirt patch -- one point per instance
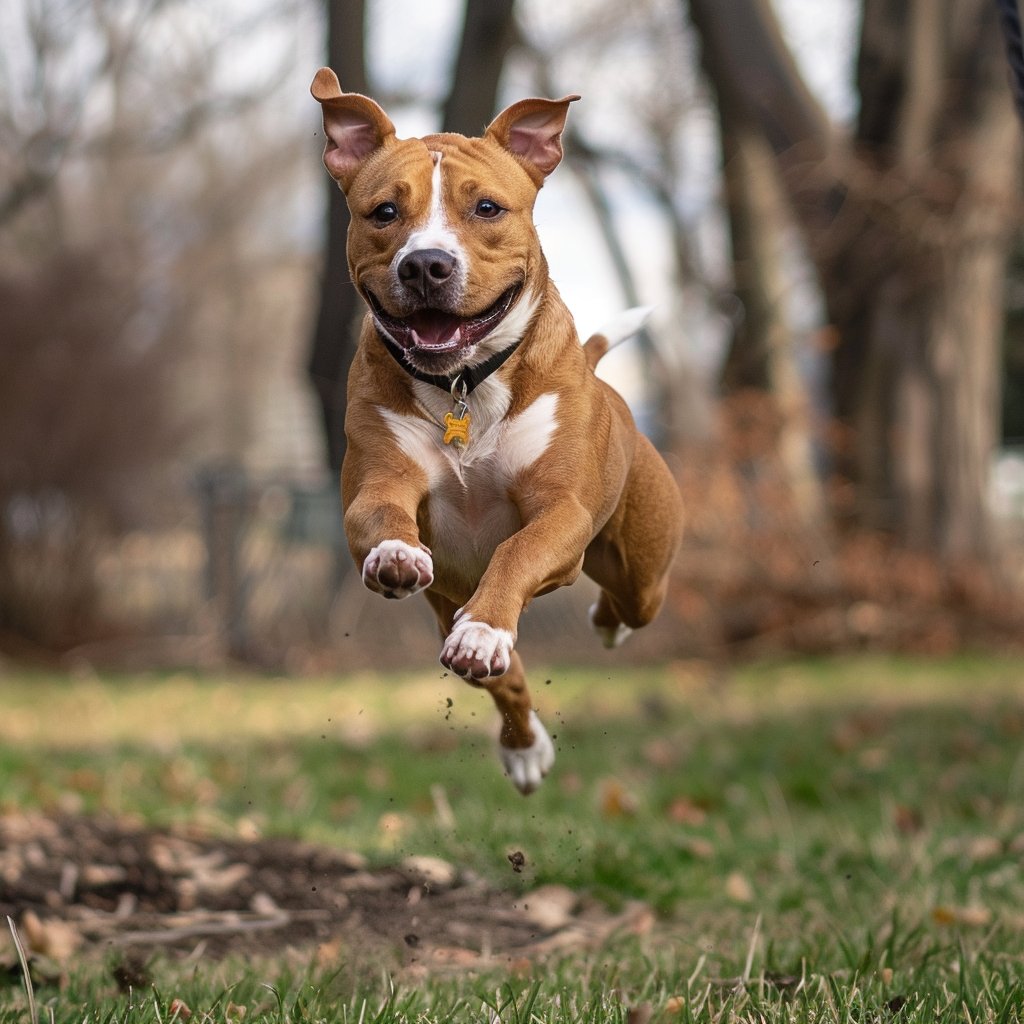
(74, 884)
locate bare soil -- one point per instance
(79, 884)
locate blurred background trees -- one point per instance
(144, 247)
(904, 217)
(824, 206)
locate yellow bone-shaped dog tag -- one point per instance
(456, 429)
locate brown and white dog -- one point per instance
(486, 463)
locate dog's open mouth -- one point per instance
(437, 331)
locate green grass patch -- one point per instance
(835, 840)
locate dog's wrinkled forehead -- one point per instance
(399, 172)
(404, 172)
(475, 167)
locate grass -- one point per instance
(830, 840)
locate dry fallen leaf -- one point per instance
(970, 917)
(521, 967)
(329, 953)
(52, 938)
(615, 800)
(454, 956)
(261, 903)
(975, 917)
(683, 811)
(738, 888)
(638, 919)
(180, 1009)
(432, 871)
(95, 875)
(249, 828)
(391, 827)
(549, 906)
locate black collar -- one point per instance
(471, 376)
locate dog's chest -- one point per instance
(469, 505)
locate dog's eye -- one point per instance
(385, 213)
(488, 209)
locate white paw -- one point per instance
(475, 650)
(611, 636)
(395, 569)
(527, 766)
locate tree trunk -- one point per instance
(336, 332)
(488, 31)
(762, 353)
(909, 229)
(925, 403)
(937, 130)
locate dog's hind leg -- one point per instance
(607, 621)
(631, 557)
(525, 749)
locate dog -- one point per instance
(486, 464)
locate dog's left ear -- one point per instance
(355, 126)
(532, 130)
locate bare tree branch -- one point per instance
(488, 32)
(742, 37)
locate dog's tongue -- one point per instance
(433, 329)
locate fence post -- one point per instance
(224, 506)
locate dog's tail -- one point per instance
(617, 330)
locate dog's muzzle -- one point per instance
(435, 330)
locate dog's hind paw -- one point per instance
(611, 636)
(527, 766)
(395, 569)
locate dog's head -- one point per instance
(442, 245)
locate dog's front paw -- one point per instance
(475, 650)
(527, 766)
(395, 569)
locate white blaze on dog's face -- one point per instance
(442, 242)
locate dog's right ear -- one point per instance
(354, 125)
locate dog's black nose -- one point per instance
(426, 269)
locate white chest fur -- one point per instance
(469, 505)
